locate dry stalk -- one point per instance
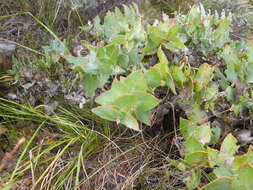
(9, 156)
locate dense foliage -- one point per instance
(207, 74)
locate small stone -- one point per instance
(244, 136)
(51, 107)
(28, 85)
(12, 96)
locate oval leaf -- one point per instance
(110, 96)
(145, 101)
(223, 183)
(126, 102)
(129, 121)
(107, 112)
(136, 81)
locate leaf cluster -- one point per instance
(121, 51)
(229, 170)
(127, 98)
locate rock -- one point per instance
(51, 107)
(244, 136)
(28, 85)
(12, 96)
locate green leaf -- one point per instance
(159, 75)
(198, 158)
(107, 112)
(221, 34)
(230, 94)
(197, 114)
(126, 102)
(193, 145)
(250, 157)
(231, 60)
(98, 28)
(144, 117)
(145, 101)
(175, 44)
(108, 56)
(156, 35)
(57, 47)
(127, 11)
(170, 83)
(237, 109)
(225, 157)
(134, 57)
(250, 52)
(222, 171)
(204, 76)
(178, 75)
(123, 60)
(108, 97)
(81, 63)
(150, 47)
(193, 180)
(135, 81)
(223, 183)
(211, 92)
(239, 161)
(162, 57)
(223, 82)
(229, 147)
(92, 82)
(119, 39)
(154, 77)
(216, 133)
(173, 31)
(212, 156)
(230, 73)
(193, 132)
(249, 69)
(244, 178)
(186, 128)
(128, 120)
(166, 76)
(111, 25)
(177, 164)
(203, 133)
(163, 69)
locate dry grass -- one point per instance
(64, 153)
